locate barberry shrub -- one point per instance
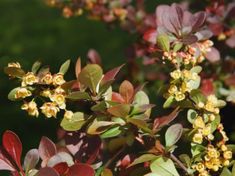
(108, 130)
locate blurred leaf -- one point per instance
(46, 148)
(163, 42)
(196, 69)
(173, 134)
(191, 115)
(94, 57)
(31, 159)
(73, 124)
(78, 67)
(78, 96)
(215, 123)
(141, 98)
(90, 76)
(112, 132)
(15, 72)
(110, 75)
(126, 90)
(47, 171)
(143, 158)
(13, 146)
(164, 167)
(177, 47)
(106, 172)
(168, 102)
(36, 66)
(121, 110)
(64, 67)
(226, 172)
(60, 157)
(12, 93)
(81, 169)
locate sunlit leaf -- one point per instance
(64, 67)
(173, 134)
(73, 124)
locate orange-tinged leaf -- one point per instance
(126, 90)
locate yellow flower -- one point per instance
(59, 90)
(211, 137)
(50, 109)
(198, 138)
(224, 147)
(46, 93)
(228, 155)
(176, 74)
(213, 153)
(47, 79)
(212, 117)
(179, 96)
(200, 104)
(187, 74)
(206, 130)
(58, 79)
(31, 108)
(198, 122)
(29, 79)
(172, 89)
(22, 93)
(68, 115)
(14, 64)
(59, 99)
(204, 173)
(200, 167)
(226, 162)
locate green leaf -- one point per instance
(112, 132)
(101, 106)
(64, 67)
(90, 76)
(78, 96)
(226, 172)
(164, 167)
(173, 134)
(191, 115)
(11, 95)
(177, 47)
(140, 124)
(141, 98)
(185, 159)
(144, 158)
(196, 69)
(36, 66)
(121, 110)
(215, 123)
(233, 169)
(194, 84)
(98, 127)
(163, 42)
(15, 72)
(168, 102)
(75, 123)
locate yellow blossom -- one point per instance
(59, 99)
(179, 96)
(22, 93)
(206, 130)
(226, 162)
(29, 79)
(46, 93)
(47, 79)
(31, 108)
(68, 115)
(172, 89)
(200, 167)
(176, 74)
(198, 122)
(198, 138)
(58, 79)
(14, 64)
(228, 155)
(49, 109)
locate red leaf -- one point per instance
(46, 149)
(13, 146)
(127, 91)
(151, 36)
(5, 164)
(162, 121)
(207, 87)
(78, 67)
(110, 75)
(47, 171)
(94, 57)
(81, 170)
(116, 97)
(61, 168)
(213, 55)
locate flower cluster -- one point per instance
(39, 84)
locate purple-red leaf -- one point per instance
(110, 75)
(126, 90)
(81, 170)
(46, 149)
(47, 171)
(61, 168)
(213, 55)
(94, 57)
(31, 159)
(13, 146)
(5, 164)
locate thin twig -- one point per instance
(174, 158)
(114, 157)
